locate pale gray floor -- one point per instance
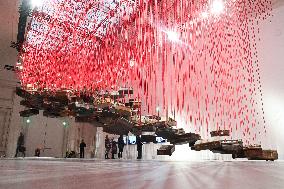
(115, 174)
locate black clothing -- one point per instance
(139, 147)
(120, 153)
(20, 140)
(120, 146)
(113, 149)
(82, 149)
(21, 149)
(82, 153)
(107, 147)
(20, 145)
(120, 142)
(82, 145)
(139, 154)
(37, 152)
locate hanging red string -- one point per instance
(196, 59)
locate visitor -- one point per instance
(139, 147)
(37, 152)
(113, 148)
(107, 147)
(70, 154)
(82, 149)
(120, 146)
(20, 145)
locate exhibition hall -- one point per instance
(142, 94)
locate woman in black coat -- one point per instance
(120, 146)
(113, 149)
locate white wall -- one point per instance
(9, 17)
(45, 133)
(8, 56)
(78, 131)
(271, 54)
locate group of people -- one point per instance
(111, 147)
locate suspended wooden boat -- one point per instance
(66, 113)
(115, 129)
(123, 110)
(269, 155)
(208, 145)
(171, 123)
(166, 150)
(122, 122)
(257, 153)
(29, 112)
(234, 147)
(220, 133)
(190, 138)
(22, 93)
(165, 132)
(51, 114)
(125, 91)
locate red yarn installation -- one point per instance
(186, 57)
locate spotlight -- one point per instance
(28, 120)
(157, 108)
(172, 36)
(64, 123)
(36, 3)
(204, 15)
(217, 7)
(131, 63)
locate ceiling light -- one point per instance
(131, 63)
(157, 108)
(172, 36)
(204, 15)
(217, 7)
(36, 3)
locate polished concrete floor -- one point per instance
(116, 174)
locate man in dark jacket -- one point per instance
(120, 146)
(82, 149)
(139, 147)
(20, 145)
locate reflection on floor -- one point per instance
(116, 174)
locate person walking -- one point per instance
(107, 147)
(120, 146)
(82, 149)
(139, 147)
(20, 145)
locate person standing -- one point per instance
(113, 149)
(120, 146)
(82, 149)
(107, 147)
(20, 145)
(139, 147)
